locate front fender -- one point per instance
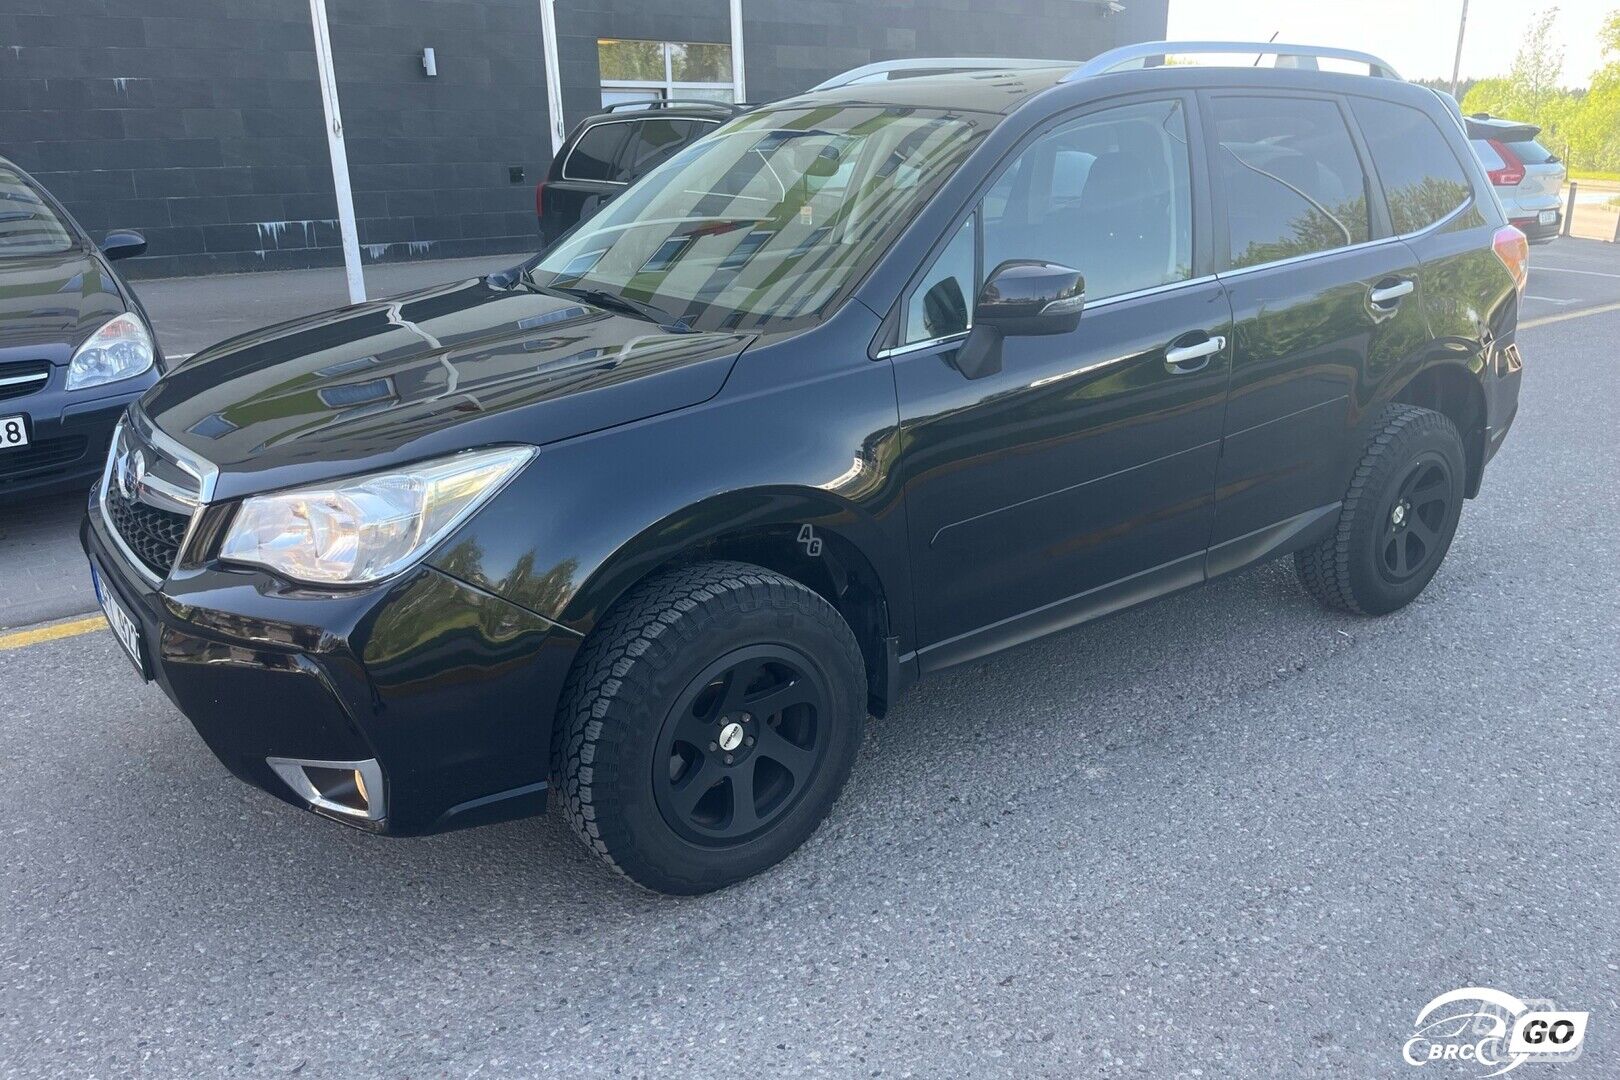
(805, 433)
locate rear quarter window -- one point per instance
(1421, 177)
(1487, 154)
(593, 155)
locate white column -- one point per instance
(739, 88)
(339, 155)
(548, 43)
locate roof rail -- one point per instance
(1305, 56)
(676, 103)
(884, 70)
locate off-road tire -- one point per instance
(1343, 571)
(643, 655)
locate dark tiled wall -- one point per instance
(199, 121)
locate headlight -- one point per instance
(121, 348)
(368, 527)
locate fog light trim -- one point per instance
(367, 779)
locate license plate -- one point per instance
(124, 628)
(13, 432)
(1547, 217)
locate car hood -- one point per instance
(472, 363)
(50, 303)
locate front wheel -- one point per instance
(709, 724)
(1397, 520)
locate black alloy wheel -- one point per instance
(741, 744)
(1417, 515)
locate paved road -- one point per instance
(1224, 836)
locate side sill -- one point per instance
(1290, 534)
(1060, 615)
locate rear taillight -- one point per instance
(539, 199)
(1513, 249)
(1512, 170)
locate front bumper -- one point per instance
(449, 689)
(67, 438)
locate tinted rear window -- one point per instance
(1531, 152)
(592, 157)
(1420, 175)
(1293, 182)
(28, 225)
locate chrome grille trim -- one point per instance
(153, 492)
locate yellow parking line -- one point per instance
(19, 639)
(1545, 320)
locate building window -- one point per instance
(663, 70)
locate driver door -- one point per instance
(1079, 475)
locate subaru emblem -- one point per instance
(131, 471)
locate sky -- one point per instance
(1417, 37)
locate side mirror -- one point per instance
(1021, 297)
(1027, 296)
(123, 244)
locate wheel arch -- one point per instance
(809, 535)
(1454, 391)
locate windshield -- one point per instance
(767, 220)
(28, 226)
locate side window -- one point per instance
(942, 303)
(592, 157)
(651, 142)
(1109, 194)
(1487, 154)
(1294, 185)
(1421, 178)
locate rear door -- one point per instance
(1322, 303)
(1466, 293)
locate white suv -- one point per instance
(1527, 176)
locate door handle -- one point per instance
(1388, 294)
(1184, 359)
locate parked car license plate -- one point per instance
(13, 432)
(124, 627)
(1547, 217)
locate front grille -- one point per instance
(42, 456)
(147, 497)
(152, 534)
(17, 380)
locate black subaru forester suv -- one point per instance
(871, 382)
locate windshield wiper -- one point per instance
(625, 305)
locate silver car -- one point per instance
(1527, 176)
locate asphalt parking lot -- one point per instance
(1225, 835)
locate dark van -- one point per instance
(867, 383)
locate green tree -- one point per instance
(1537, 66)
(1584, 125)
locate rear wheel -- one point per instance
(1398, 518)
(710, 723)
